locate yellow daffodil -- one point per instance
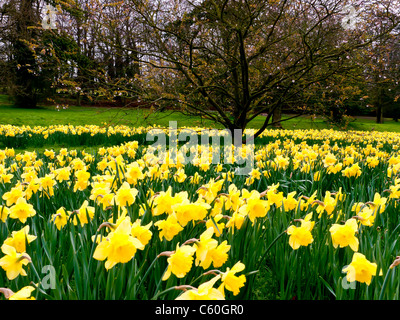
(85, 213)
(210, 190)
(133, 173)
(353, 171)
(46, 184)
(236, 221)
(205, 291)
(344, 235)
(22, 210)
(142, 233)
(329, 160)
(301, 236)
(4, 212)
(180, 176)
(13, 195)
(99, 190)
(195, 179)
(180, 261)
(255, 207)
(163, 202)
(125, 195)
(60, 218)
(379, 202)
(217, 227)
(273, 196)
(62, 174)
(19, 239)
(289, 202)
(203, 246)
(22, 294)
(219, 255)
(169, 227)
(186, 211)
(82, 177)
(119, 246)
(233, 197)
(6, 178)
(230, 281)
(360, 269)
(366, 216)
(13, 262)
(328, 205)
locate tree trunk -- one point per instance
(379, 114)
(379, 106)
(277, 117)
(25, 93)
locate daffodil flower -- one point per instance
(205, 291)
(22, 210)
(180, 261)
(230, 281)
(169, 227)
(19, 239)
(60, 218)
(360, 269)
(13, 262)
(23, 294)
(344, 235)
(13, 195)
(125, 195)
(255, 207)
(119, 246)
(301, 236)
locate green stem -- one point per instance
(163, 292)
(204, 274)
(384, 284)
(269, 248)
(147, 272)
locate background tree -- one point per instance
(381, 74)
(93, 49)
(231, 61)
(17, 19)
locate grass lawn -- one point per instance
(76, 115)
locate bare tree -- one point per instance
(231, 61)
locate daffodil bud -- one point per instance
(165, 254)
(107, 224)
(24, 256)
(395, 263)
(190, 241)
(358, 218)
(7, 292)
(184, 287)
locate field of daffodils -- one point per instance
(317, 217)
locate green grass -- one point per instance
(79, 115)
(370, 125)
(76, 115)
